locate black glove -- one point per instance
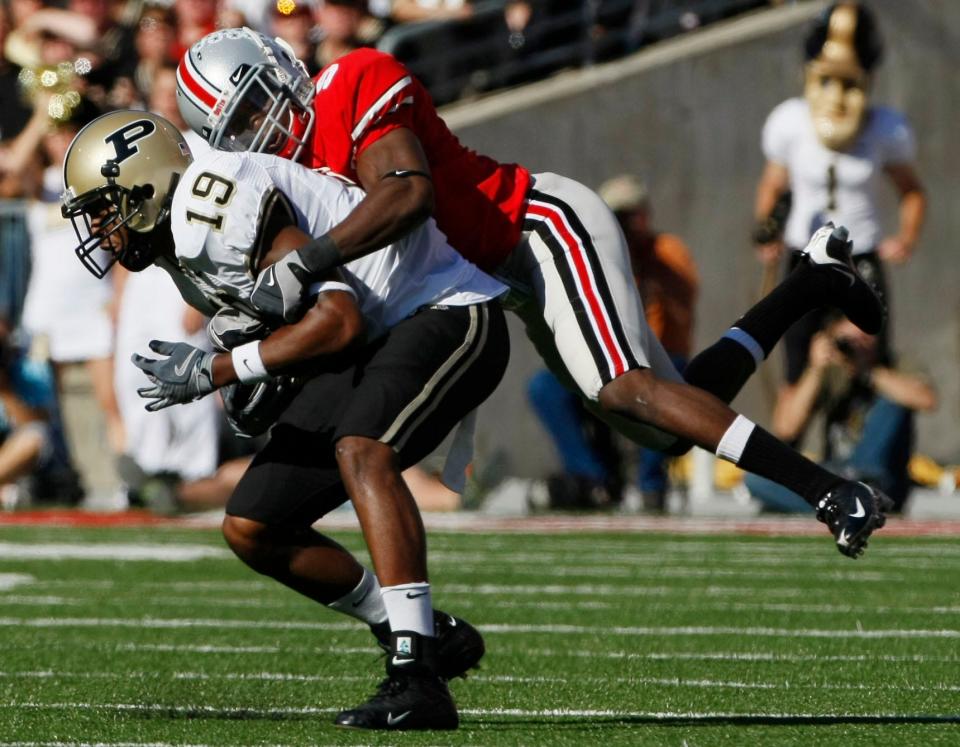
(185, 375)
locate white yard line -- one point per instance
(177, 553)
(505, 628)
(482, 712)
(532, 680)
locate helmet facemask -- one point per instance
(106, 219)
(263, 115)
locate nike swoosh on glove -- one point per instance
(281, 290)
(184, 375)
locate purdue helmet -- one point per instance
(119, 175)
(242, 91)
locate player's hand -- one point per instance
(769, 254)
(184, 375)
(895, 250)
(281, 289)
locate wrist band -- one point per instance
(320, 255)
(316, 289)
(248, 364)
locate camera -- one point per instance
(844, 346)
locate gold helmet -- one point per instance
(119, 175)
(842, 49)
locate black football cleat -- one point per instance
(830, 248)
(852, 510)
(459, 645)
(412, 697)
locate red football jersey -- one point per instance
(366, 94)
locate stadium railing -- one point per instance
(465, 57)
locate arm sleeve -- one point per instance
(775, 140)
(385, 93)
(899, 143)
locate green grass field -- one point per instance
(160, 637)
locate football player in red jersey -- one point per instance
(550, 238)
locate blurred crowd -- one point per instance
(70, 421)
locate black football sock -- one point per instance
(755, 450)
(724, 367)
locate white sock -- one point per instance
(409, 607)
(364, 602)
(735, 439)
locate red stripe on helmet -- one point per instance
(193, 85)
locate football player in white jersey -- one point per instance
(397, 348)
(832, 150)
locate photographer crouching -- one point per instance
(868, 408)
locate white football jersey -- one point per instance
(830, 185)
(216, 216)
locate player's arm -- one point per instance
(187, 373)
(393, 171)
(913, 208)
(770, 209)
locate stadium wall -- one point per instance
(687, 115)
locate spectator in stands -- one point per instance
(252, 13)
(155, 42)
(409, 11)
(14, 112)
(666, 277)
(67, 311)
(170, 459)
(343, 26)
(195, 19)
(28, 439)
(831, 150)
(868, 408)
(294, 23)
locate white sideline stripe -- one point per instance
(510, 560)
(624, 655)
(719, 630)
(691, 630)
(152, 622)
(108, 551)
(533, 680)
(740, 656)
(47, 601)
(518, 712)
(508, 589)
(13, 580)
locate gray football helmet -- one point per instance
(242, 91)
(119, 175)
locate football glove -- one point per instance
(184, 375)
(230, 328)
(251, 409)
(280, 291)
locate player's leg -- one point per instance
(576, 263)
(825, 275)
(434, 369)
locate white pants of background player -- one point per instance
(181, 439)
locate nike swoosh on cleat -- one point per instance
(411, 595)
(271, 279)
(398, 662)
(859, 512)
(182, 368)
(394, 720)
(843, 539)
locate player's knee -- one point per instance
(249, 541)
(357, 455)
(632, 393)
